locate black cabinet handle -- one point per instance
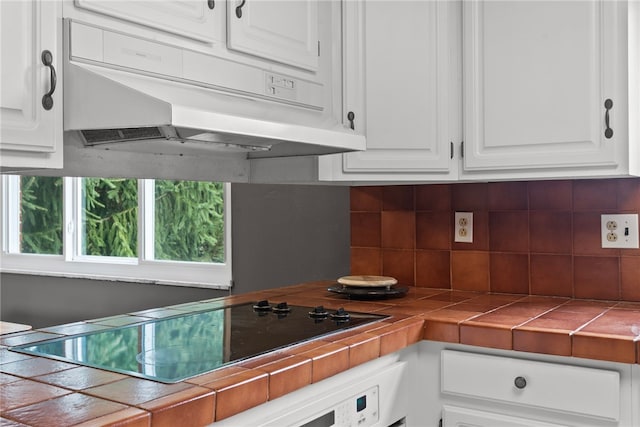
(520, 382)
(351, 117)
(47, 99)
(239, 9)
(608, 105)
(211, 4)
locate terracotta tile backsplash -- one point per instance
(536, 238)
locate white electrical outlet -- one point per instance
(463, 227)
(620, 231)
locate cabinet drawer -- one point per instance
(571, 389)
(455, 417)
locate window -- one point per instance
(162, 231)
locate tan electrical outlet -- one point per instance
(619, 231)
(463, 228)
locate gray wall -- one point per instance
(282, 234)
(45, 301)
(289, 234)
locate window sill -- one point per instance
(216, 276)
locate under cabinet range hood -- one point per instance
(119, 110)
(116, 108)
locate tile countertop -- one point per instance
(9, 328)
(38, 391)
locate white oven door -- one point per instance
(372, 395)
(454, 416)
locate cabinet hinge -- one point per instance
(462, 149)
(318, 47)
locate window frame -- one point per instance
(73, 264)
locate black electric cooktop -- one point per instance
(179, 347)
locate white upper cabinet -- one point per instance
(286, 51)
(186, 18)
(549, 89)
(31, 101)
(278, 34)
(409, 87)
(282, 31)
(545, 87)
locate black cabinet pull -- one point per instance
(608, 105)
(351, 117)
(211, 4)
(239, 9)
(520, 382)
(47, 99)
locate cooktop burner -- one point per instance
(179, 347)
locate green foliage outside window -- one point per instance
(110, 217)
(189, 220)
(41, 215)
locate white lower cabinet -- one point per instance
(567, 389)
(455, 416)
(635, 395)
(464, 386)
(549, 386)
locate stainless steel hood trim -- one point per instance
(102, 98)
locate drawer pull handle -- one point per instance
(47, 98)
(211, 4)
(520, 382)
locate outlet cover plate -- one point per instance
(620, 231)
(463, 227)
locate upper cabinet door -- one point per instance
(541, 85)
(31, 83)
(187, 18)
(411, 79)
(282, 31)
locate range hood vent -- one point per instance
(121, 110)
(165, 139)
(102, 136)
